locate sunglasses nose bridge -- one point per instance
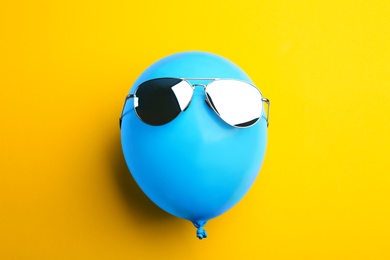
(199, 92)
(199, 85)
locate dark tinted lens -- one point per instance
(159, 101)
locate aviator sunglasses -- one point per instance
(159, 101)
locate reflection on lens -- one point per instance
(183, 92)
(238, 103)
(161, 100)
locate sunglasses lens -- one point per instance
(159, 101)
(238, 103)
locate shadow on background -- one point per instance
(138, 203)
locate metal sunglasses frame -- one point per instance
(265, 100)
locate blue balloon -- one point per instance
(195, 167)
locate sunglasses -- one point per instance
(159, 101)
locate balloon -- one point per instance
(195, 167)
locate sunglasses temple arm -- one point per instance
(266, 100)
(123, 108)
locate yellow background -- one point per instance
(323, 191)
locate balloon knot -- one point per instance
(200, 233)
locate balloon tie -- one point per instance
(200, 233)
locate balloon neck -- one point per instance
(200, 233)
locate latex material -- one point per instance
(197, 166)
